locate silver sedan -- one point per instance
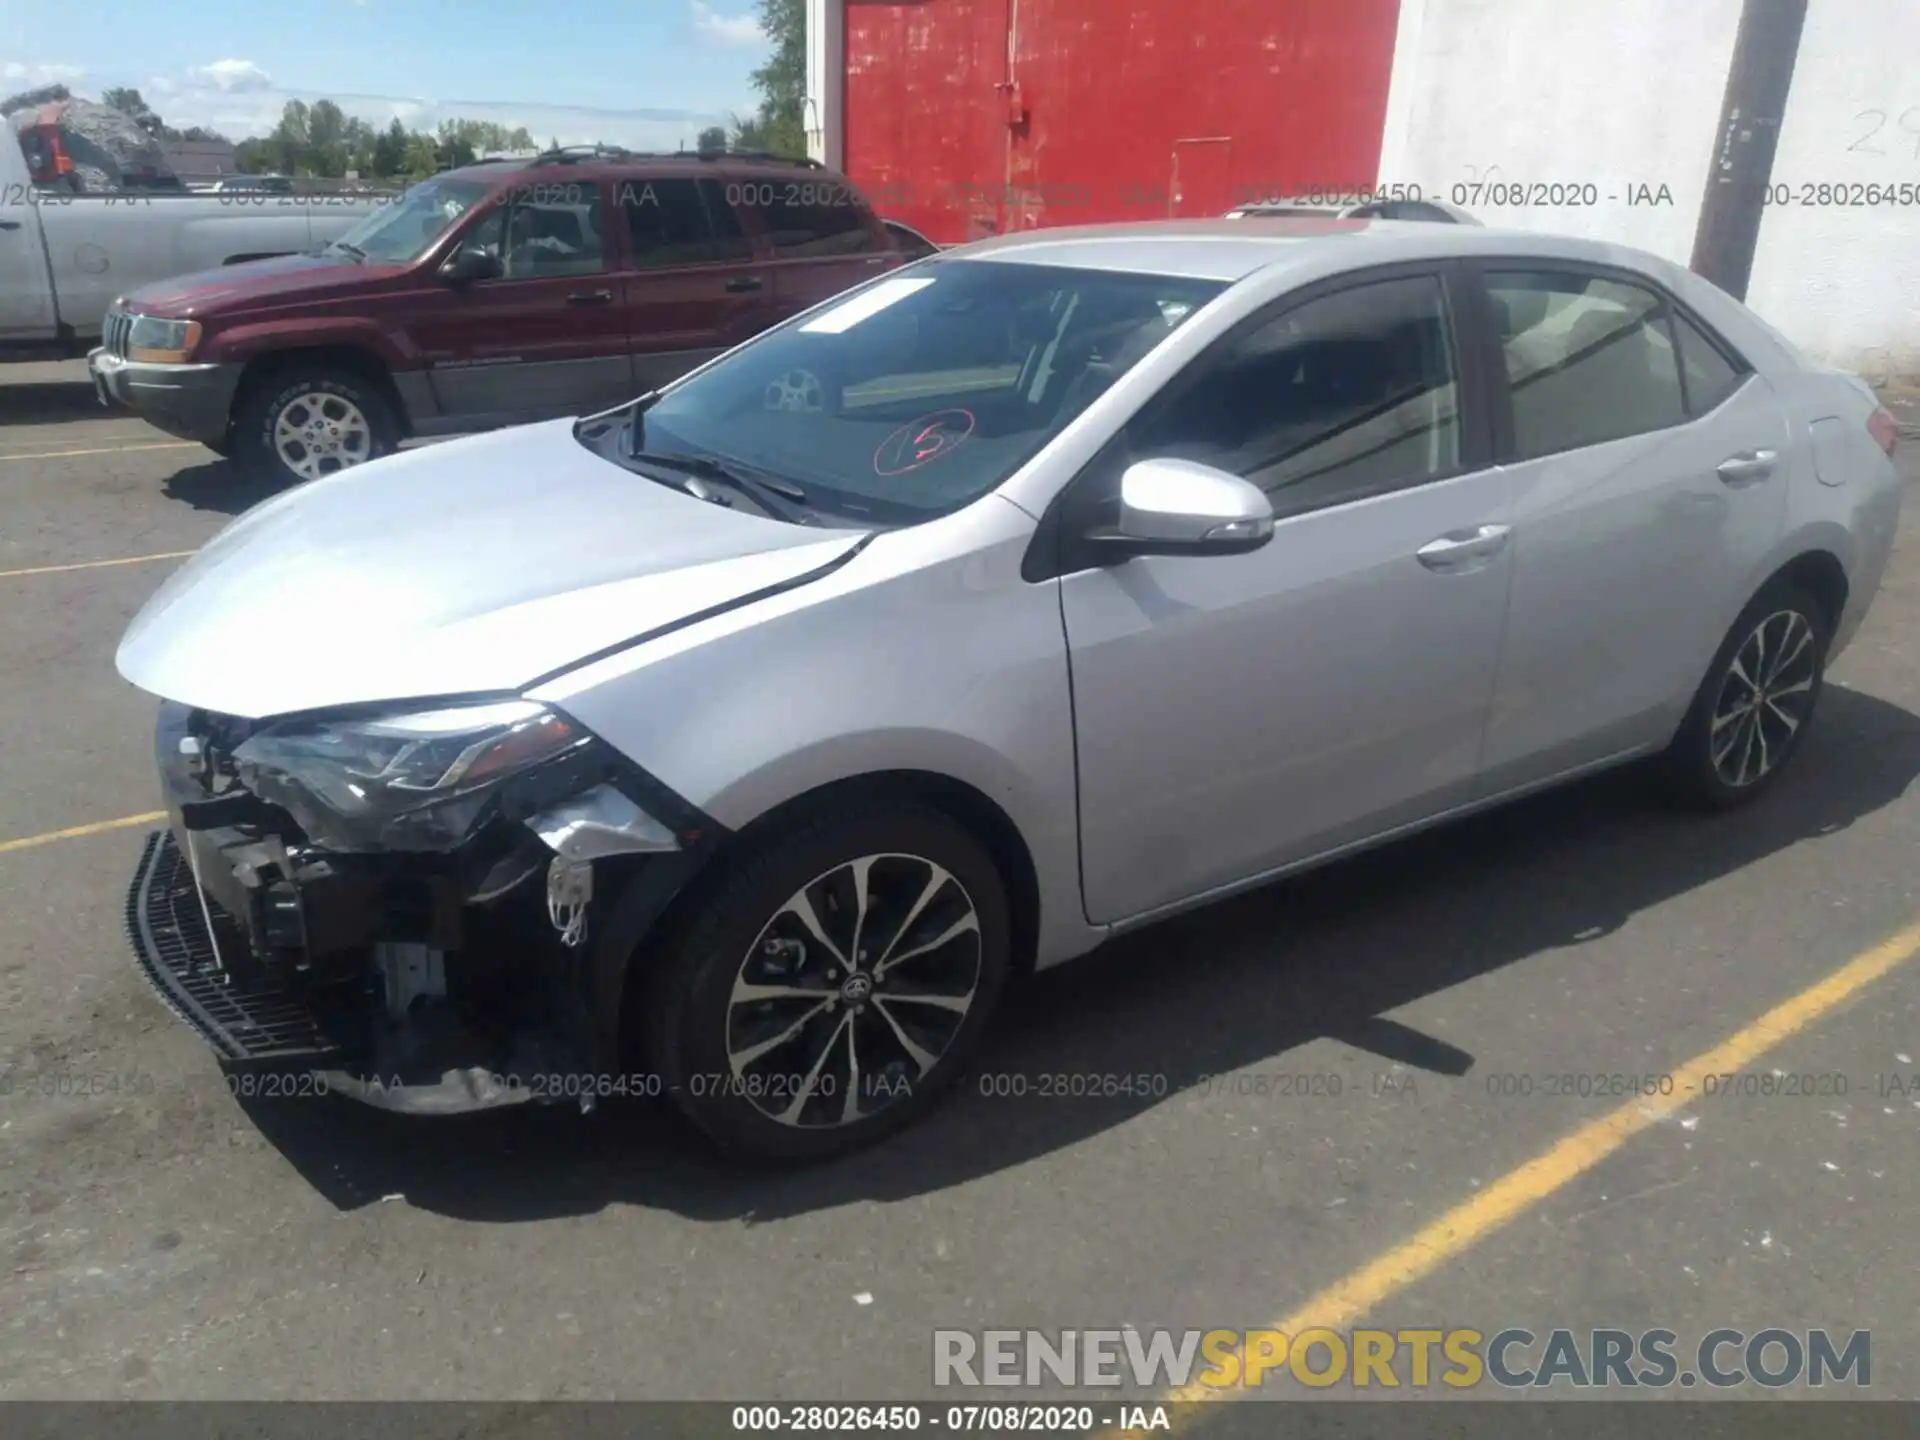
(739, 744)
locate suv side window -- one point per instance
(809, 220)
(1345, 396)
(681, 221)
(537, 235)
(1589, 359)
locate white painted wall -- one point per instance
(824, 113)
(1629, 92)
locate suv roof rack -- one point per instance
(574, 154)
(807, 163)
(570, 154)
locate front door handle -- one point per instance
(9, 224)
(740, 283)
(1748, 468)
(590, 297)
(1458, 548)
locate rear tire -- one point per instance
(302, 422)
(905, 894)
(1752, 711)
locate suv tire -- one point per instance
(301, 421)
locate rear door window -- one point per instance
(1589, 359)
(681, 221)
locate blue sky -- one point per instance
(632, 72)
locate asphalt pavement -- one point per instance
(1386, 1095)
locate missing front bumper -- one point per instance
(253, 1023)
(167, 921)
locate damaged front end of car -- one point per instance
(403, 901)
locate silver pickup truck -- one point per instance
(64, 257)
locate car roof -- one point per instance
(1231, 249)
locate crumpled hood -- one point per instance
(476, 565)
(227, 287)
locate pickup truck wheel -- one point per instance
(300, 424)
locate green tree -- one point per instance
(357, 138)
(422, 157)
(712, 140)
(390, 150)
(128, 102)
(779, 125)
(292, 140)
(455, 145)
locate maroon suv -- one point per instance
(495, 294)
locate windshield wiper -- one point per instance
(354, 250)
(777, 497)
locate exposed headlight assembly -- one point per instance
(412, 781)
(154, 341)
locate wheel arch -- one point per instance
(656, 898)
(959, 800)
(267, 366)
(1819, 572)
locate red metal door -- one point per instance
(1202, 182)
(966, 116)
(926, 112)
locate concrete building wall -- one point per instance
(1627, 94)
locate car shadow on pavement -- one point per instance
(1323, 955)
(47, 402)
(219, 486)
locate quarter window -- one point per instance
(805, 226)
(1711, 377)
(1343, 397)
(681, 222)
(1588, 360)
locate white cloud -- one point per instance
(240, 100)
(720, 29)
(232, 77)
(32, 76)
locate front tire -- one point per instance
(1752, 711)
(303, 422)
(831, 985)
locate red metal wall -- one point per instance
(968, 117)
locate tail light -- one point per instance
(1886, 434)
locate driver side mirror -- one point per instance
(1181, 507)
(466, 266)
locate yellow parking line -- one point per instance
(107, 450)
(96, 564)
(98, 827)
(1471, 1221)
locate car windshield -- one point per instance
(401, 231)
(918, 393)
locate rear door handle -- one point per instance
(9, 224)
(590, 297)
(745, 282)
(1748, 468)
(1458, 548)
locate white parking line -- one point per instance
(107, 450)
(95, 564)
